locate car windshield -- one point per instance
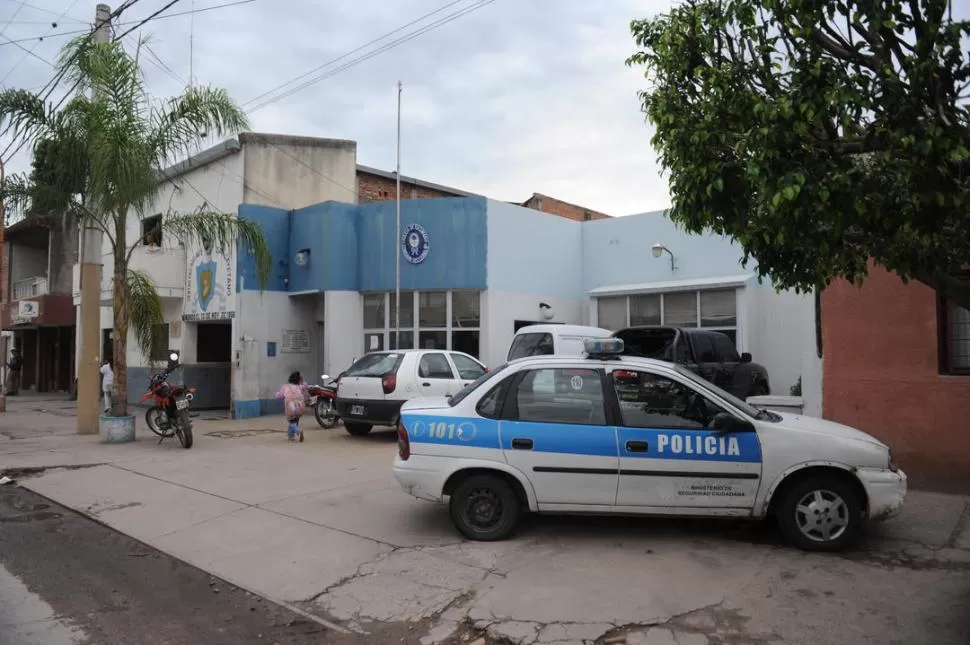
(474, 385)
(377, 364)
(744, 406)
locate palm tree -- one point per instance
(119, 138)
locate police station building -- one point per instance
(472, 271)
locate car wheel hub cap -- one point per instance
(822, 516)
(484, 509)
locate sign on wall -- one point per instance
(209, 288)
(295, 341)
(415, 243)
(27, 310)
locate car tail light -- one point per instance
(403, 442)
(389, 382)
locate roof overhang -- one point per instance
(719, 282)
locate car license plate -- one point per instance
(357, 410)
(181, 404)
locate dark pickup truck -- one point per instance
(710, 354)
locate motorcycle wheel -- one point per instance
(184, 429)
(157, 420)
(325, 413)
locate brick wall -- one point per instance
(374, 188)
(558, 207)
(881, 374)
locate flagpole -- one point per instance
(397, 232)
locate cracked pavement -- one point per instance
(322, 528)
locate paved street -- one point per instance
(322, 528)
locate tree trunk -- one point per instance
(120, 306)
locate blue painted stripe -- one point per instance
(692, 445)
(471, 432)
(598, 441)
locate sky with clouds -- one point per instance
(511, 98)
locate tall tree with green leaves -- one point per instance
(100, 161)
(819, 134)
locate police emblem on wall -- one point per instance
(209, 288)
(415, 244)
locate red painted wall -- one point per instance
(881, 374)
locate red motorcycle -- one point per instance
(169, 414)
(322, 401)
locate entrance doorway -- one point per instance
(212, 370)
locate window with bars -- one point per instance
(448, 320)
(711, 309)
(954, 338)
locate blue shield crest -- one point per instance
(205, 281)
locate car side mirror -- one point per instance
(727, 423)
(746, 357)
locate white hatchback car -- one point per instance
(605, 433)
(372, 391)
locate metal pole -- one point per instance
(88, 375)
(397, 233)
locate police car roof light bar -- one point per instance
(603, 347)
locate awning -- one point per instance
(694, 284)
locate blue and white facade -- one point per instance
(472, 270)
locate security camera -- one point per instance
(657, 249)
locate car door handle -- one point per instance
(522, 444)
(426, 385)
(637, 446)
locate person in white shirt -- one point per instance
(107, 383)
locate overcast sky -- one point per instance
(515, 97)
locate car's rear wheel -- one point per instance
(484, 508)
(821, 513)
(357, 429)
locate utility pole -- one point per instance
(88, 373)
(397, 232)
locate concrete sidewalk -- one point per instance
(322, 527)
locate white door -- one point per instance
(554, 431)
(436, 377)
(670, 455)
(467, 367)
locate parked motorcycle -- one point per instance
(322, 401)
(169, 414)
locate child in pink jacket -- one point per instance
(293, 393)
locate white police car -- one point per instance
(604, 433)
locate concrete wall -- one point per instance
(617, 251)
(292, 172)
(531, 252)
(780, 334)
(882, 375)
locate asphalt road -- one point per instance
(67, 580)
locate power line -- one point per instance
(60, 74)
(27, 52)
(48, 11)
(391, 45)
(132, 22)
(149, 18)
(34, 46)
(7, 24)
(352, 51)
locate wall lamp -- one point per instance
(302, 257)
(658, 250)
(546, 311)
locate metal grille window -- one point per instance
(447, 320)
(957, 335)
(715, 309)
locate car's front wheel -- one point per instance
(484, 508)
(821, 513)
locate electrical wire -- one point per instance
(132, 22)
(149, 18)
(34, 46)
(7, 24)
(360, 59)
(255, 99)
